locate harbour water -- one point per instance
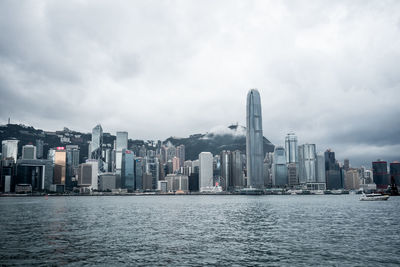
(326, 230)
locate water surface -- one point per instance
(198, 230)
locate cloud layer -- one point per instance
(329, 71)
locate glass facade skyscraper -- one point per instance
(307, 164)
(128, 170)
(380, 174)
(254, 140)
(291, 148)
(279, 169)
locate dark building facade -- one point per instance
(332, 171)
(380, 174)
(395, 172)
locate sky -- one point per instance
(328, 71)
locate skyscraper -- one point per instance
(121, 144)
(205, 171)
(332, 171)
(39, 148)
(254, 140)
(60, 162)
(307, 164)
(128, 170)
(291, 148)
(380, 174)
(226, 171)
(97, 142)
(279, 169)
(237, 169)
(180, 153)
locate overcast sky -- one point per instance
(327, 70)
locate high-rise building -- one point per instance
(128, 170)
(226, 170)
(352, 180)
(39, 148)
(121, 144)
(346, 164)
(88, 174)
(97, 142)
(180, 153)
(107, 181)
(28, 152)
(291, 148)
(307, 164)
(175, 165)
(72, 154)
(279, 169)
(320, 170)
(9, 149)
(395, 173)
(380, 174)
(332, 171)
(254, 140)
(60, 163)
(237, 169)
(205, 171)
(36, 172)
(177, 182)
(292, 174)
(139, 171)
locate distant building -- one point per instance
(107, 181)
(9, 149)
(352, 180)
(28, 152)
(291, 148)
(254, 140)
(39, 149)
(139, 171)
(205, 170)
(177, 182)
(226, 170)
(279, 169)
(380, 174)
(60, 164)
(175, 165)
(194, 182)
(36, 172)
(395, 172)
(307, 164)
(180, 153)
(237, 169)
(346, 164)
(332, 171)
(87, 174)
(121, 144)
(128, 170)
(293, 179)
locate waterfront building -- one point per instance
(121, 144)
(268, 160)
(346, 164)
(291, 148)
(380, 174)
(320, 172)
(72, 157)
(162, 186)
(36, 172)
(139, 171)
(292, 174)
(254, 140)
(194, 182)
(177, 182)
(28, 152)
(39, 149)
(332, 171)
(395, 173)
(9, 149)
(205, 171)
(279, 169)
(128, 170)
(352, 180)
(8, 175)
(60, 164)
(307, 164)
(237, 169)
(88, 174)
(226, 171)
(107, 181)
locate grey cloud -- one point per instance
(327, 70)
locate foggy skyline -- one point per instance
(328, 71)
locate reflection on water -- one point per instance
(199, 230)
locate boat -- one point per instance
(373, 197)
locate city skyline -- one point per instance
(328, 72)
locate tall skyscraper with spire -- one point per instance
(254, 140)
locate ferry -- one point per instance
(373, 197)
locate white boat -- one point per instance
(373, 197)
